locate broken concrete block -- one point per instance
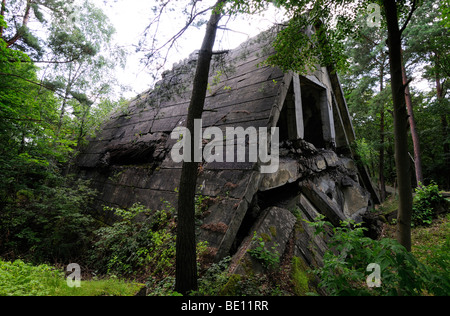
(274, 228)
(356, 201)
(287, 173)
(323, 203)
(321, 164)
(331, 158)
(309, 246)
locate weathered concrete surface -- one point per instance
(129, 160)
(274, 227)
(288, 172)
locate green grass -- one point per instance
(21, 279)
(109, 287)
(432, 241)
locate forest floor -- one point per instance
(423, 238)
(426, 241)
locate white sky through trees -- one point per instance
(131, 17)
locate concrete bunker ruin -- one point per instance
(129, 161)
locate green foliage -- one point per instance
(431, 245)
(270, 259)
(300, 277)
(139, 242)
(252, 285)
(103, 287)
(445, 13)
(21, 279)
(124, 247)
(294, 48)
(425, 202)
(427, 40)
(344, 272)
(214, 280)
(298, 49)
(365, 152)
(49, 220)
(44, 216)
(163, 287)
(367, 88)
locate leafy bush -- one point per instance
(431, 245)
(46, 220)
(129, 244)
(21, 279)
(344, 271)
(212, 282)
(142, 242)
(270, 259)
(426, 200)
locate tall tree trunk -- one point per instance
(382, 141)
(444, 125)
(413, 129)
(2, 13)
(400, 126)
(64, 104)
(186, 263)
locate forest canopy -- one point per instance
(55, 90)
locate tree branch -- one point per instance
(45, 61)
(20, 119)
(221, 52)
(407, 83)
(32, 82)
(234, 31)
(25, 21)
(413, 9)
(173, 39)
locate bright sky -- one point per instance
(131, 17)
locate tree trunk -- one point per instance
(444, 124)
(19, 33)
(382, 141)
(400, 126)
(2, 13)
(413, 129)
(186, 263)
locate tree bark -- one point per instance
(382, 141)
(413, 129)
(402, 161)
(444, 124)
(2, 13)
(19, 34)
(186, 261)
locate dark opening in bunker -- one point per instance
(313, 99)
(287, 121)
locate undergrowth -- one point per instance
(22, 279)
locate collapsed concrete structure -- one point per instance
(129, 161)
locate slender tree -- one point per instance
(427, 46)
(186, 263)
(413, 129)
(400, 121)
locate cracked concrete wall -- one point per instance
(129, 160)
